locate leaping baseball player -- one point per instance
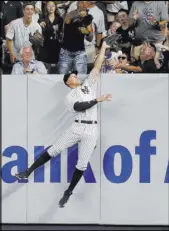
(82, 101)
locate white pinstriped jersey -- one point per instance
(86, 92)
(83, 134)
(19, 34)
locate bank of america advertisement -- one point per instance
(126, 181)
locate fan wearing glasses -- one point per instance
(146, 62)
(122, 61)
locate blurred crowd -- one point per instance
(56, 37)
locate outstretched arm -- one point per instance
(99, 61)
(83, 106)
(130, 68)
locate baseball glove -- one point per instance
(36, 39)
(112, 40)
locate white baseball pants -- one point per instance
(83, 134)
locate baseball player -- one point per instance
(83, 102)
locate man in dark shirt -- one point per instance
(146, 63)
(147, 55)
(127, 31)
(72, 54)
(148, 66)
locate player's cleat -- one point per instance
(22, 175)
(65, 198)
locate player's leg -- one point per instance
(86, 148)
(67, 139)
(43, 158)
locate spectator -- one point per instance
(18, 32)
(51, 24)
(113, 8)
(146, 62)
(73, 55)
(146, 13)
(73, 6)
(38, 11)
(92, 47)
(112, 28)
(147, 55)
(63, 7)
(123, 60)
(11, 11)
(111, 58)
(98, 27)
(126, 30)
(27, 64)
(163, 59)
(165, 62)
(165, 29)
(98, 18)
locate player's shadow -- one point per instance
(54, 207)
(54, 93)
(52, 210)
(11, 190)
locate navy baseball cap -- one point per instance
(66, 76)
